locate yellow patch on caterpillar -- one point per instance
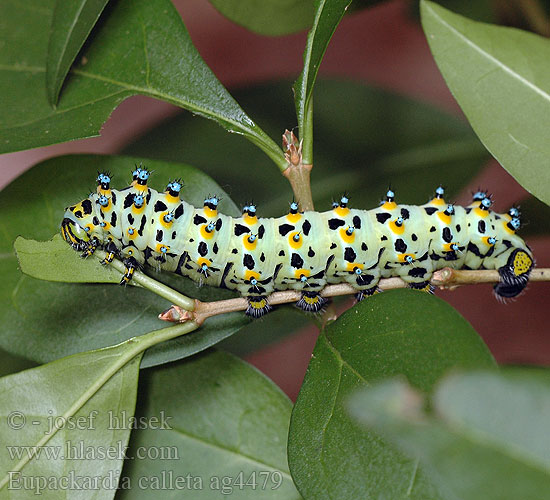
(293, 218)
(159, 248)
(348, 238)
(132, 233)
(351, 266)
(507, 229)
(106, 226)
(389, 205)
(311, 300)
(104, 192)
(67, 235)
(171, 199)
(485, 240)
(128, 276)
(210, 212)
(522, 263)
(165, 224)
(427, 288)
(403, 256)
(258, 304)
(341, 211)
(438, 202)
(201, 261)
(78, 208)
(251, 274)
(249, 245)
(480, 212)
(137, 210)
(205, 234)
(301, 272)
(90, 227)
(295, 240)
(443, 217)
(448, 247)
(396, 229)
(140, 187)
(250, 220)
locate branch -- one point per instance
(444, 278)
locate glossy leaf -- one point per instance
(501, 79)
(158, 60)
(491, 428)
(268, 17)
(226, 420)
(328, 15)
(400, 332)
(72, 22)
(54, 260)
(420, 146)
(12, 364)
(44, 321)
(61, 412)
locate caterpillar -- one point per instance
(302, 251)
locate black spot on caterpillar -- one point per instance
(335, 223)
(342, 243)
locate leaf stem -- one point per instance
(306, 133)
(153, 285)
(444, 278)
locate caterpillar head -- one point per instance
(73, 229)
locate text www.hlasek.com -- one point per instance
(78, 450)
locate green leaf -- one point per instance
(158, 59)
(400, 332)
(268, 17)
(480, 10)
(226, 420)
(419, 146)
(328, 15)
(54, 260)
(72, 22)
(491, 428)
(501, 79)
(12, 364)
(62, 413)
(44, 321)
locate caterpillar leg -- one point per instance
(363, 294)
(257, 306)
(311, 302)
(111, 251)
(130, 265)
(423, 286)
(514, 274)
(90, 248)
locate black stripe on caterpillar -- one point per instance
(299, 251)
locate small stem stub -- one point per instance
(292, 148)
(297, 173)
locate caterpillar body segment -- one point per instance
(299, 251)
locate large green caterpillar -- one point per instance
(299, 251)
